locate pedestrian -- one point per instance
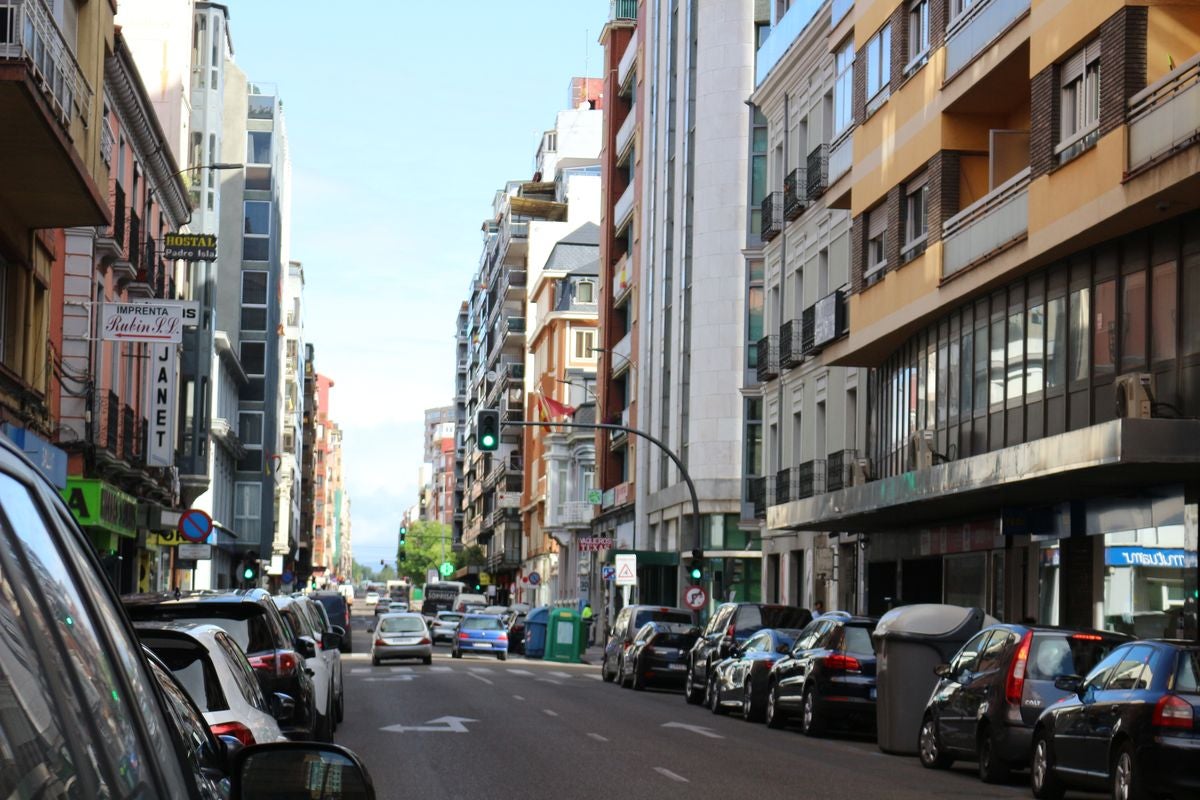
(586, 615)
(818, 608)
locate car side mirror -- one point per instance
(282, 706)
(332, 640)
(1069, 683)
(339, 630)
(782, 649)
(944, 671)
(300, 769)
(306, 647)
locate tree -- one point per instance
(426, 541)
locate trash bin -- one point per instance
(562, 636)
(535, 632)
(909, 642)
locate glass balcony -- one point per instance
(987, 226)
(1165, 117)
(782, 35)
(970, 33)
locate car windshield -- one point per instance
(195, 672)
(857, 640)
(481, 624)
(401, 625)
(250, 632)
(681, 641)
(660, 615)
(1189, 669)
(1052, 655)
(753, 618)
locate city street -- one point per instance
(478, 727)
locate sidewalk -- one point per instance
(593, 655)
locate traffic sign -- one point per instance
(195, 525)
(446, 568)
(534, 579)
(694, 597)
(288, 576)
(607, 572)
(485, 579)
(626, 569)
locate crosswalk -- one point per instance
(556, 677)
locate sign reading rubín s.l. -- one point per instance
(160, 324)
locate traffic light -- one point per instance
(250, 570)
(696, 566)
(478, 587)
(488, 424)
(403, 535)
(402, 556)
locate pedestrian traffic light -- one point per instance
(488, 424)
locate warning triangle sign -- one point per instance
(625, 571)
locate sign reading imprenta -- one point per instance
(156, 321)
(190, 246)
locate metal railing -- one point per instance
(795, 192)
(133, 251)
(838, 469)
(772, 215)
(817, 176)
(810, 478)
(576, 513)
(116, 231)
(760, 490)
(767, 366)
(790, 352)
(622, 9)
(784, 490)
(107, 141)
(28, 32)
(808, 326)
(106, 421)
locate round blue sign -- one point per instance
(195, 525)
(534, 579)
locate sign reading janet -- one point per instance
(161, 321)
(160, 436)
(190, 246)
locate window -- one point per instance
(754, 323)
(254, 300)
(1056, 343)
(916, 215)
(256, 231)
(1104, 328)
(585, 292)
(917, 46)
(253, 356)
(758, 170)
(584, 342)
(876, 240)
(247, 505)
(1164, 300)
(959, 7)
(250, 428)
(258, 147)
(843, 88)
(1079, 100)
(879, 65)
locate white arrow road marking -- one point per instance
(517, 697)
(700, 729)
(439, 725)
(666, 772)
(597, 737)
(519, 672)
(390, 679)
(488, 681)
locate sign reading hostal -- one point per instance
(190, 246)
(96, 504)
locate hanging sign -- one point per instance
(190, 246)
(160, 436)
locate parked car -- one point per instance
(215, 673)
(480, 633)
(470, 603)
(445, 626)
(828, 677)
(329, 638)
(658, 655)
(322, 671)
(372, 598)
(96, 715)
(337, 608)
(740, 681)
(401, 635)
(730, 626)
(629, 621)
(254, 622)
(989, 696)
(516, 630)
(1131, 725)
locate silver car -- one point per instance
(401, 636)
(445, 626)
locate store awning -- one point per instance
(1119, 456)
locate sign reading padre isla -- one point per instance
(190, 246)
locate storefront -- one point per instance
(109, 517)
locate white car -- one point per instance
(397, 607)
(372, 598)
(315, 649)
(401, 636)
(214, 671)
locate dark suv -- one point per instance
(251, 618)
(629, 621)
(730, 626)
(86, 714)
(991, 693)
(339, 614)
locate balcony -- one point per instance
(974, 30)
(810, 479)
(992, 223)
(790, 353)
(784, 492)
(759, 494)
(617, 437)
(772, 215)
(621, 354)
(46, 105)
(808, 326)
(106, 423)
(782, 35)
(1165, 117)
(110, 243)
(795, 193)
(622, 10)
(625, 65)
(575, 514)
(625, 135)
(841, 158)
(623, 209)
(767, 366)
(515, 281)
(817, 173)
(839, 470)
(620, 280)
(825, 321)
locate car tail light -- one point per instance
(235, 729)
(502, 635)
(463, 635)
(425, 640)
(380, 643)
(840, 662)
(1014, 686)
(730, 631)
(1087, 637)
(278, 662)
(1172, 711)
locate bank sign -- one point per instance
(190, 246)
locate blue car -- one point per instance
(481, 633)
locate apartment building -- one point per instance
(308, 467)
(462, 351)
(803, 421)
(435, 487)
(1024, 275)
(290, 453)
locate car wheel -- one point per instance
(775, 715)
(427, 660)
(1126, 777)
(621, 679)
(690, 693)
(991, 768)
(502, 656)
(637, 682)
(1043, 781)
(751, 711)
(811, 722)
(375, 662)
(341, 706)
(604, 673)
(323, 730)
(929, 746)
(712, 696)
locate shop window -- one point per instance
(1104, 328)
(1080, 315)
(1164, 302)
(1133, 321)
(965, 579)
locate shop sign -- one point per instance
(592, 544)
(160, 438)
(1165, 557)
(50, 460)
(508, 499)
(154, 321)
(95, 504)
(595, 496)
(621, 494)
(190, 246)
(194, 552)
(609, 498)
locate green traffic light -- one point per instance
(248, 573)
(695, 573)
(488, 441)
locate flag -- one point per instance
(543, 412)
(557, 408)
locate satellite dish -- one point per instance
(491, 375)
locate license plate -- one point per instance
(481, 644)
(679, 667)
(872, 692)
(410, 641)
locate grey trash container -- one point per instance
(909, 642)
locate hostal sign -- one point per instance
(190, 246)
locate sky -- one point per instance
(403, 119)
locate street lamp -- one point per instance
(608, 350)
(583, 385)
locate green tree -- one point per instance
(426, 542)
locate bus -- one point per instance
(398, 590)
(441, 596)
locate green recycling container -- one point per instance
(564, 630)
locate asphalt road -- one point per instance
(478, 727)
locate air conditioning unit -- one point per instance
(921, 449)
(860, 471)
(1135, 395)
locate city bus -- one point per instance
(441, 596)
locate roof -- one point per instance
(578, 252)
(585, 413)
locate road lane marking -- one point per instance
(594, 677)
(597, 737)
(439, 725)
(519, 672)
(550, 680)
(488, 681)
(390, 679)
(361, 671)
(481, 670)
(517, 697)
(402, 669)
(440, 669)
(549, 713)
(700, 729)
(562, 674)
(667, 773)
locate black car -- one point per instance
(658, 655)
(740, 681)
(1131, 725)
(516, 632)
(629, 621)
(87, 712)
(990, 694)
(251, 618)
(828, 677)
(730, 626)
(339, 614)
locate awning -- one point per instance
(647, 558)
(539, 209)
(1113, 457)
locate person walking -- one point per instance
(586, 616)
